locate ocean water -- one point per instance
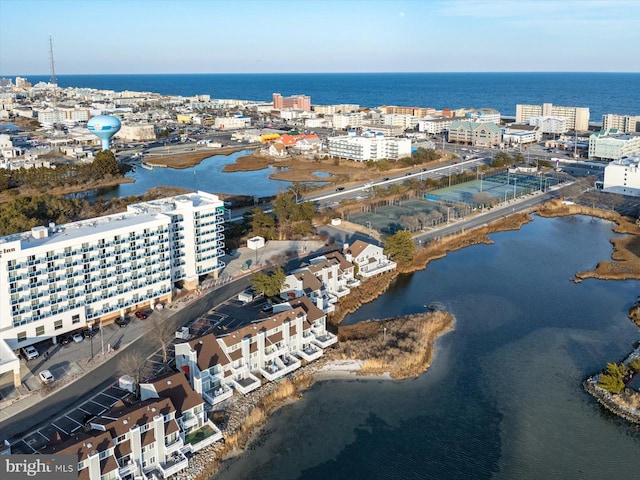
(503, 398)
(601, 92)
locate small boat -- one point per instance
(146, 166)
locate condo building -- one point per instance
(477, 134)
(59, 279)
(299, 102)
(551, 125)
(622, 123)
(577, 117)
(369, 147)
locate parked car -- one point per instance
(78, 337)
(65, 340)
(385, 179)
(30, 352)
(141, 315)
(90, 332)
(339, 189)
(46, 377)
(122, 321)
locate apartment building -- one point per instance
(476, 134)
(298, 102)
(551, 125)
(577, 117)
(411, 111)
(369, 147)
(623, 176)
(622, 123)
(339, 108)
(606, 146)
(348, 120)
(270, 348)
(59, 279)
(434, 126)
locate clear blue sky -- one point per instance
(239, 36)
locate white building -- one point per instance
(552, 125)
(613, 147)
(369, 147)
(577, 117)
(230, 123)
(434, 126)
(348, 120)
(139, 132)
(270, 348)
(406, 122)
(622, 123)
(370, 259)
(60, 279)
(473, 133)
(623, 176)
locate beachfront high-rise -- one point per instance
(577, 117)
(58, 279)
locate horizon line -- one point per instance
(321, 73)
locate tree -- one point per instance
(400, 247)
(261, 223)
(269, 284)
(161, 332)
(136, 366)
(635, 364)
(612, 378)
(105, 164)
(501, 159)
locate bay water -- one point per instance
(503, 398)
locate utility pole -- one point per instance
(53, 80)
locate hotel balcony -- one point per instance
(217, 395)
(175, 463)
(246, 383)
(310, 352)
(279, 367)
(325, 340)
(202, 437)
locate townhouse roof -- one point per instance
(208, 352)
(122, 449)
(343, 262)
(358, 247)
(310, 282)
(312, 311)
(109, 464)
(176, 387)
(83, 444)
(148, 437)
(119, 420)
(171, 427)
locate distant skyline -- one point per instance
(254, 36)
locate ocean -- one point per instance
(601, 92)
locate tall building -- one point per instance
(577, 117)
(369, 147)
(298, 102)
(59, 279)
(622, 123)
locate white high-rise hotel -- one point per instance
(62, 278)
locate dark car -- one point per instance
(141, 315)
(339, 189)
(66, 340)
(385, 179)
(122, 322)
(407, 174)
(90, 332)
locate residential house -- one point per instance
(369, 258)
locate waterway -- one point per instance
(503, 398)
(207, 176)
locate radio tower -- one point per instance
(53, 81)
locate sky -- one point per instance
(308, 36)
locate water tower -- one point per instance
(104, 127)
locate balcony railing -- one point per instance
(203, 437)
(174, 464)
(217, 395)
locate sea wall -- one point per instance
(612, 402)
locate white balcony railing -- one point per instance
(217, 395)
(174, 464)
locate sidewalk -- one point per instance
(71, 362)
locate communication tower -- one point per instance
(53, 80)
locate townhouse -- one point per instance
(269, 348)
(145, 439)
(369, 259)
